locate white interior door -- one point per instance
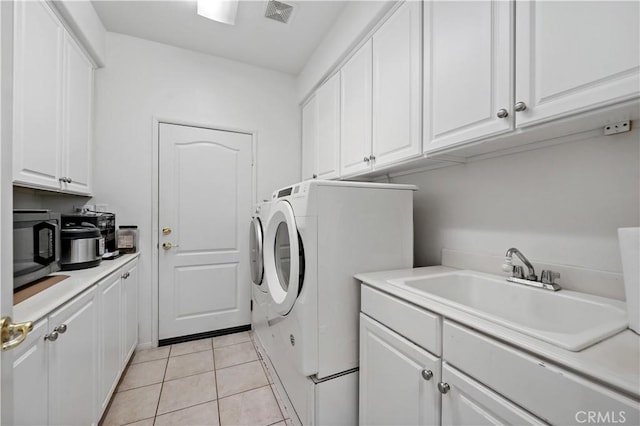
(204, 207)
(6, 216)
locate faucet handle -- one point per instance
(549, 276)
(518, 271)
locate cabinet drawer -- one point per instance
(531, 382)
(418, 325)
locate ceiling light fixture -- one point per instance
(224, 11)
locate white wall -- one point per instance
(354, 22)
(561, 204)
(143, 79)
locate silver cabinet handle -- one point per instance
(520, 106)
(427, 374)
(61, 329)
(444, 387)
(315, 176)
(69, 180)
(126, 274)
(366, 159)
(52, 337)
(372, 157)
(503, 113)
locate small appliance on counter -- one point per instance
(128, 239)
(36, 245)
(82, 246)
(105, 222)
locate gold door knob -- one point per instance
(13, 334)
(166, 231)
(168, 246)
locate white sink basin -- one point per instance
(565, 319)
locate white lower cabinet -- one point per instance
(30, 371)
(477, 381)
(111, 310)
(398, 380)
(72, 350)
(68, 367)
(130, 310)
(467, 402)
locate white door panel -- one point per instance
(355, 122)
(397, 86)
(468, 71)
(205, 199)
(38, 98)
(573, 56)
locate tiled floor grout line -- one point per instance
(166, 367)
(243, 391)
(215, 376)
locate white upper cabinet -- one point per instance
(355, 123)
(38, 45)
(467, 71)
(328, 129)
(53, 97)
(397, 86)
(575, 56)
(494, 66)
(309, 139)
(78, 117)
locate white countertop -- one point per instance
(614, 361)
(43, 303)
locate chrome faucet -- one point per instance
(517, 273)
(517, 270)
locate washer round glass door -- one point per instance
(281, 257)
(255, 255)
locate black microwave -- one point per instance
(36, 245)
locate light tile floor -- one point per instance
(214, 381)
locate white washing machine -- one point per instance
(319, 234)
(259, 289)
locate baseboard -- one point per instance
(198, 336)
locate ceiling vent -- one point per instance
(278, 11)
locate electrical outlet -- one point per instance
(102, 208)
(615, 128)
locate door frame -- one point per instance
(155, 199)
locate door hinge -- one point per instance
(251, 305)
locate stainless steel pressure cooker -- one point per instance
(82, 247)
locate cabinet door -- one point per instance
(37, 95)
(355, 112)
(130, 309)
(110, 324)
(78, 117)
(328, 140)
(575, 56)
(393, 388)
(309, 139)
(397, 86)
(468, 71)
(469, 403)
(73, 362)
(30, 379)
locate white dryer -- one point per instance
(259, 290)
(319, 234)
